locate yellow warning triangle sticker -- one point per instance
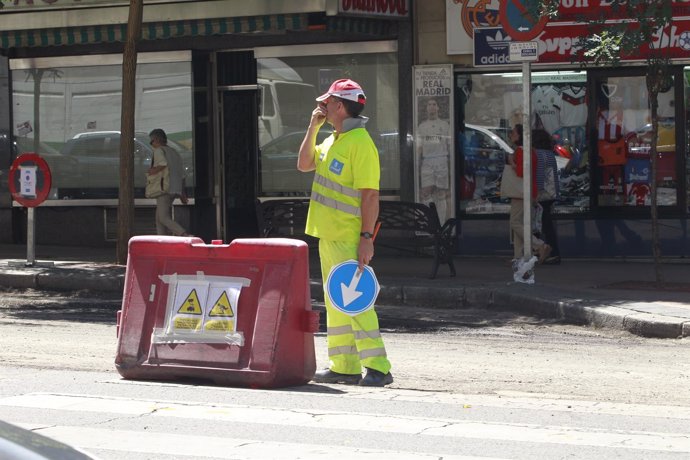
(191, 304)
(222, 306)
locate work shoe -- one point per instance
(329, 376)
(374, 378)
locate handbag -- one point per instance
(157, 184)
(511, 183)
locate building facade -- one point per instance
(599, 117)
(232, 83)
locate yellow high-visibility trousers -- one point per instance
(353, 341)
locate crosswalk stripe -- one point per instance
(340, 420)
(505, 400)
(216, 447)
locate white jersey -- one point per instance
(546, 105)
(574, 106)
(666, 104)
(434, 138)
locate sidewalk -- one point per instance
(601, 292)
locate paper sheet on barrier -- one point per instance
(201, 311)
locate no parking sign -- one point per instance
(29, 180)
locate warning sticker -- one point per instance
(222, 306)
(187, 305)
(222, 309)
(191, 304)
(187, 323)
(201, 307)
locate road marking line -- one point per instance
(216, 447)
(506, 401)
(340, 420)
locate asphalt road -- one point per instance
(469, 384)
(470, 351)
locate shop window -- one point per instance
(76, 121)
(491, 105)
(624, 132)
(293, 83)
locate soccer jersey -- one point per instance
(434, 138)
(546, 108)
(573, 106)
(666, 104)
(610, 125)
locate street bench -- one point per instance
(284, 219)
(405, 226)
(410, 226)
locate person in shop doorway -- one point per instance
(517, 213)
(547, 190)
(342, 215)
(166, 157)
(433, 153)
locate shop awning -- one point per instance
(152, 31)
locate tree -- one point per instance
(125, 210)
(644, 33)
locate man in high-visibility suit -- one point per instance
(342, 214)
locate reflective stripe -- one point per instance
(343, 350)
(339, 330)
(335, 204)
(336, 187)
(372, 353)
(361, 335)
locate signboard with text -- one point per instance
(391, 9)
(523, 51)
(433, 115)
(491, 47)
(473, 26)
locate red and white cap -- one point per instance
(345, 89)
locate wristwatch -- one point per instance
(366, 235)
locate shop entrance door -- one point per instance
(238, 151)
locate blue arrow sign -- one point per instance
(351, 291)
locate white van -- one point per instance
(286, 102)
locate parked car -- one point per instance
(97, 164)
(17, 443)
(484, 151)
(63, 169)
(278, 164)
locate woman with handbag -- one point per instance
(165, 182)
(512, 176)
(548, 190)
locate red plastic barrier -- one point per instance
(237, 314)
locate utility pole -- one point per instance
(125, 210)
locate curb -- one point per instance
(72, 280)
(403, 293)
(573, 312)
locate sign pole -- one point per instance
(525, 53)
(29, 183)
(527, 159)
(30, 237)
